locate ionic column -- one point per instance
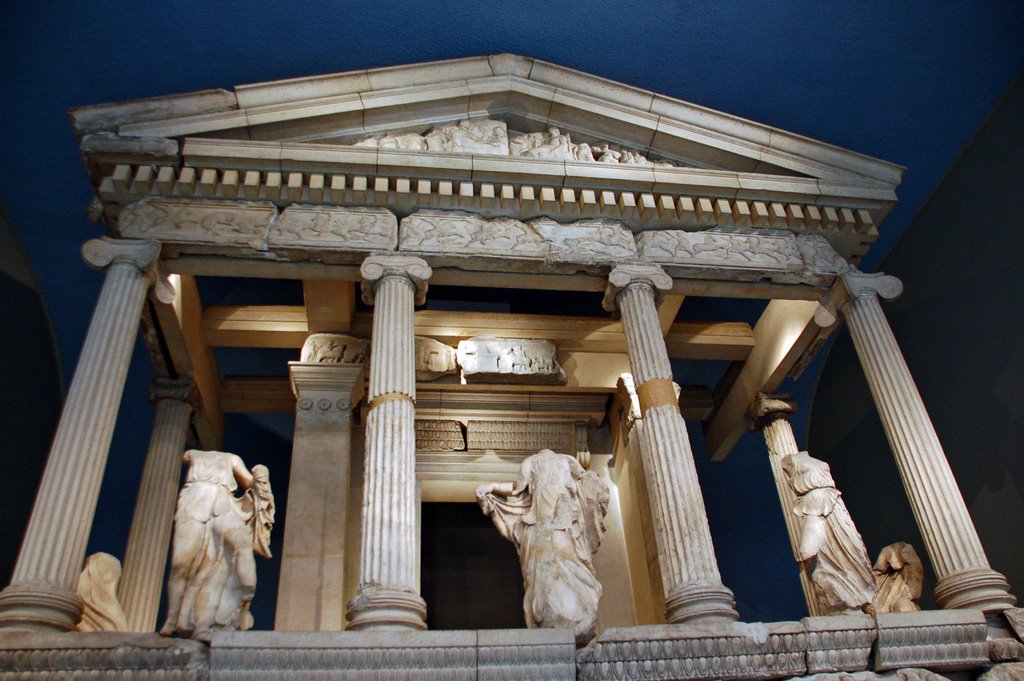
(693, 584)
(388, 597)
(310, 591)
(770, 415)
(965, 579)
(41, 594)
(145, 554)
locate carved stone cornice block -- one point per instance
(942, 640)
(728, 651)
(839, 643)
(212, 223)
(509, 360)
(467, 240)
(103, 656)
(440, 435)
(336, 234)
(322, 388)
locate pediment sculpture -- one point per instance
(490, 136)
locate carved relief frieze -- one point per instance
(458, 238)
(744, 255)
(440, 435)
(228, 223)
(335, 348)
(434, 359)
(559, 436)
(509, 360)
(332, 229)
(491, 137)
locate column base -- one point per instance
(699, 602)
(975, 588)
(39, 606)
(386, 609)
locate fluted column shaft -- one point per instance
(778, 437)
(145, 555)
(42, 589)
(693, 584)
(388, 595)
(965, 579)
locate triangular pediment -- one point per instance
(607, 148)
(528, 95)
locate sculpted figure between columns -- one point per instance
(554, 515)
(216, 534)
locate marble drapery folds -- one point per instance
(216, 534)
(829, 541)
(554, 515)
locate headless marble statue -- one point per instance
(554, 515)
(213, 573)
(829, 542)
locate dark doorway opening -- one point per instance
(469, 574)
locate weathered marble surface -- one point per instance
(910, 674)
(491, 137)
(744, 254)
(455, 238)
(829, 541)
(97, 587)
(554, 515)
(839, 643)
(434, 359)
(216, 534)
(735, 650)
(899, 576)
(334, 229)
(439, 435)
(228, 223)
(1012, 671)
(335, 348)
(509, 360)
(936, 639)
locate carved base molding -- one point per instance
(905, 646)
(942, 640)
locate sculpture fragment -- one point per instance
(554, 515)
(334, 348)
(899, 577)
(434, 359)
(216, 534)
(829, 542)
(509, 360)
(97, 587)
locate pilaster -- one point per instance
(42, 589)
(388, 595)
(965, 579)
(145, 554)
(693, 584)
(310, 591)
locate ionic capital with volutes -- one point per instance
(143, 254)
(377, 267)
(767, 408)
(862, 285)
(623, 276)
(179, 389)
